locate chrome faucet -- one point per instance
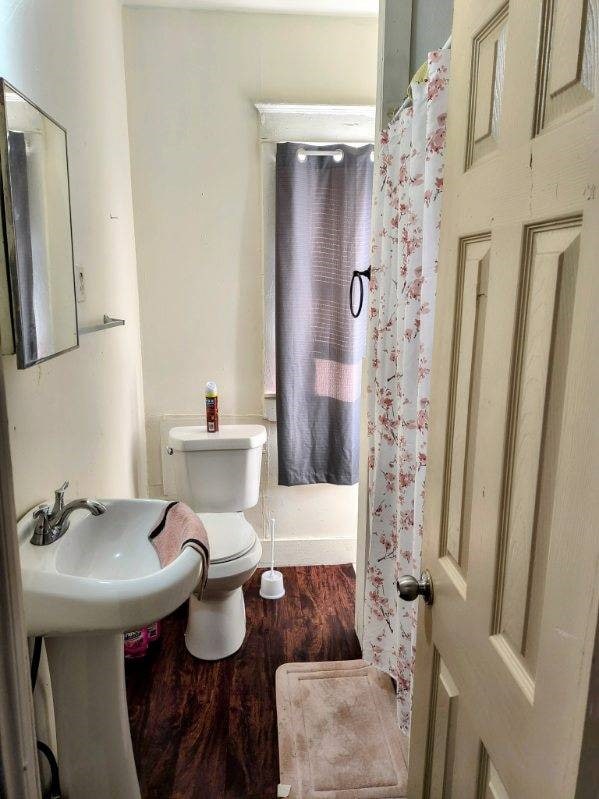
(52, 523)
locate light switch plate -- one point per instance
(80, 283)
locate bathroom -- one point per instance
(173, 111)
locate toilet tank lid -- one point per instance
(229, 436)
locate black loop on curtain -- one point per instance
(357, 275)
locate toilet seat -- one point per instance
(230, 536)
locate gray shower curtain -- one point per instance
(322, 236)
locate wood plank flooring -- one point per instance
(209, 730)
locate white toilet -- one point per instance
(218, 475)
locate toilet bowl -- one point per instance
(216, 623)
(218, 475)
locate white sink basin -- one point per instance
(103, 574)
(102, 578)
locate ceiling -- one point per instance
(358, 8)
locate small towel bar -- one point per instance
(109, 321)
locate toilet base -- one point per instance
(216, 624)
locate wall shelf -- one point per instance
(108, 322)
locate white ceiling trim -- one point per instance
(316, 123)
(345, 8)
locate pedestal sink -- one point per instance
(81, 593)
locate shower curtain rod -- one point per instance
(337, 154)
(321, 152)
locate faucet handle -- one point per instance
(59, 498)
(41, 511)
(42, 521)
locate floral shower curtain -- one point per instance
(406, 221)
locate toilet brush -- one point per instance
(271, 582)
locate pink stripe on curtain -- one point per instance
(341, 381)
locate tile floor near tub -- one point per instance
(209, 730)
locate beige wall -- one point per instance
(80, 416)
(192, 79)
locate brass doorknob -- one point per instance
(410, 588)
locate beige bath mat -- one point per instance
(338, 733)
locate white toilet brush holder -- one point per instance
(271, 582)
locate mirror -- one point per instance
(37, 230)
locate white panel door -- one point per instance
(512, 514)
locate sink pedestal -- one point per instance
(95, 754)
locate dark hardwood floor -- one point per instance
(209, 730)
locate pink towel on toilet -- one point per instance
(177, 528)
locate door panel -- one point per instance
(486, 95)
(503, 656)
(489, 783)
(469, 325)
(443, 729)
(540, 360)
(568, 59)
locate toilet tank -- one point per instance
(218, 472)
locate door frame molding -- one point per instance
(19, 777)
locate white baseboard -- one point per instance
(310, 551)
